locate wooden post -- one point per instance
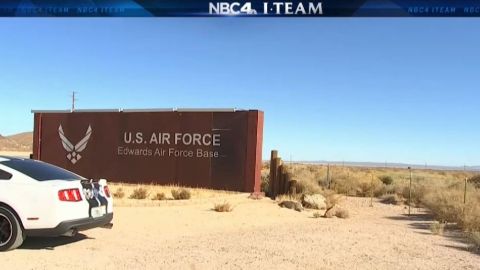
(279, 180)
(282, 179)
(271, 184)
(278, 175)
(465, 192)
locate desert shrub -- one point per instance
(139, 193)
(391, 199)
(391, 189)
(344, 187)
(342, 213)
(363, 189)
(119, 193)
(437, 228)
(474, 240)
(317, 214)
(223, 207)
(446, 206)
(475, 180)
(345, 183)
(368, 188)
(386, 179)
(307, 187)
(265, 165)
(265, 180)
(181, 194)
(455, 185)
(418, 193)
(470, 219)
(160, 196)
(307, 181)
(380, 190)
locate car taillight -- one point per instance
(107, 191)
(69, 195)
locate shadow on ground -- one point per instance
(421, 223)
(50, 243)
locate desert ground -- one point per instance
(257, 234)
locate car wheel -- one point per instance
(11, 233)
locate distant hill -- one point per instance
(394, 165)
(17, 142)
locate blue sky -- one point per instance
(396, 90)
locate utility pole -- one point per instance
(73, 101)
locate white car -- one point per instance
(40, 199)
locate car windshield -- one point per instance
(40, 171)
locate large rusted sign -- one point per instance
(211, 149)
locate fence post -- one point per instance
(278, 175)
(286, 181)
(465, 192)
(280, 178)
(271, 186)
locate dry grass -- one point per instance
(360, 181)
(223, 207)
(447, 206)
(197, 193)
(22, 154)
(160, 196)
(437, 228)
(139, 193)
(439, 191)
(181, 194)
(394, 199)
(474, 240)
(119, 193)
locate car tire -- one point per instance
(11, 233)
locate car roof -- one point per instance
(8, 158)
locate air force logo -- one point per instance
(74, 151)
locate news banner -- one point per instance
(195, 8)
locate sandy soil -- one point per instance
(15, 154)
(256, 235)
